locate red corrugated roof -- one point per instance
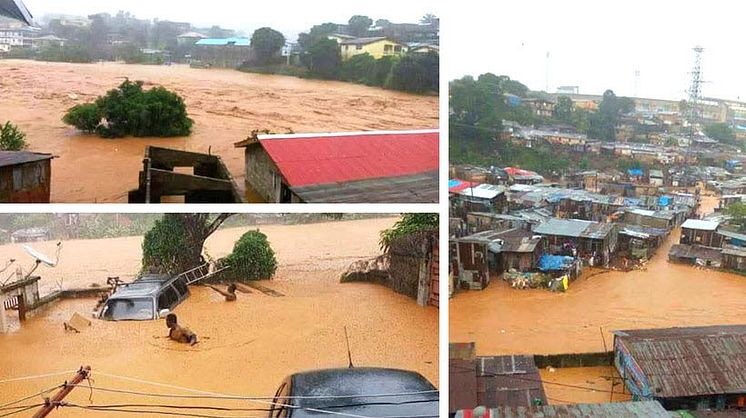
(329, 158)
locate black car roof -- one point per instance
(351, 385)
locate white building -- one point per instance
(18, 37)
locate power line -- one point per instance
(38, 376)
(21, 410)
(590, 389)
(250, 398)
(43, 392)
(20, 407)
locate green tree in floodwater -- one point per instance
(130, 110)
(252, 258)
(266, 42)
(11, 138)
(408, 224)
(175, 242)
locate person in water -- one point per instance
(230, 294)
(178, 333)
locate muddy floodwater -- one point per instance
(246, 347)
(583, 385)
(226, 106)
(502, 320)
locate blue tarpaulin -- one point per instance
(555, 262)
(664, 200)
(634, 172)
(454, 183)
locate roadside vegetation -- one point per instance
(130, 110)
(252, 258)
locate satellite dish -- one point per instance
(40, 257)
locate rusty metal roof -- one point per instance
(646, 409)
(695, 361)
(8, 158)
(462, 388)
(508, 381)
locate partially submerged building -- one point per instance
(696, 255)
(169, 175)
(700, 232)
(591, 241)
(684, 368)
(349, 167)
(25, 177)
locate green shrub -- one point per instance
(11, 138)
(74, 53)
(86, 117)
(252, 258)
(416, 73)
(130, 110)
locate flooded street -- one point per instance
(246, 347)
(502, 320)
(226, 106)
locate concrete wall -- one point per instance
(262, 175)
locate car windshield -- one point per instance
(128, 310)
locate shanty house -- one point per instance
(640, 242)
(595, 242)
(25, 177)
(483, 198)
(474, 260)
(700, 232)
(377, 47)
(696, 254)
(350, 167)
(734, 258)
(660, 219)
(684, 368)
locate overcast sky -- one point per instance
(289, 16)
(598, 45)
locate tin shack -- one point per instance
(594, 242)
(684, 368)
(25, 177)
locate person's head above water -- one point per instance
(171, 320)
(232, 288)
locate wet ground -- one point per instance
(246, 347)
(226, 106)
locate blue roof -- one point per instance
(555, 262)
(634, 172)
(454, 183)
(224, 42)
(664, 200)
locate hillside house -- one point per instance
(377, 47)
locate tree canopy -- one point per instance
(359, 25)
(266, 42)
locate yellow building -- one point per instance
(377, 47)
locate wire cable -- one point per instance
(38, 376)
(43, 392)
(21, 410)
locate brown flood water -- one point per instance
(226, 106)
(502, 320)
(246, 347)
(584, 385)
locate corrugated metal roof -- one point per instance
(341, 157)
(462, 388)
(576, 228)
(695, 252)
(224, 42)
(700, 224)
(694, 361)
(8, 158)
(414, 188)
(483, 191)
(732, 234)
(646, 409)
(508, 381)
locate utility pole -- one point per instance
(50, 405)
